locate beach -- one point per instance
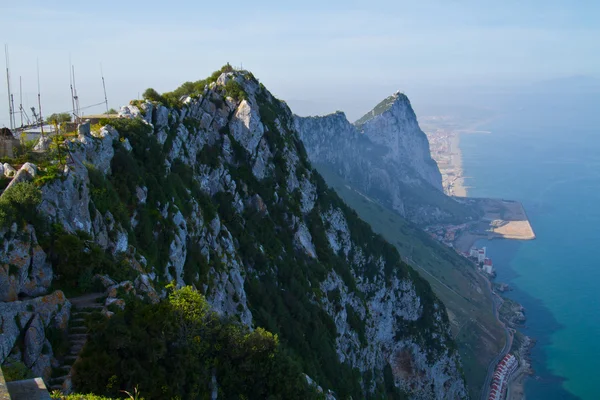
(458, 185)
(500, 219)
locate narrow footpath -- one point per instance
(82, 307)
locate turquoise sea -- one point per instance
(546, 154)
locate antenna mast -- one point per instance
(21, 99)
(104, 87)
(72, 93)
(12, 106)
(10, 110)
(75, 97)
(40, 99)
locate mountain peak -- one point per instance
(385, 105)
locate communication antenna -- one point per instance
(75, 97)
(21, 99)
(40, 98)
(10, 110)
(12, 106)
(104, 87)
(71, 85)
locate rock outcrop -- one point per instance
(385, 155)
(24, 270)
(29, 320)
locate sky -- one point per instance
(319, 56)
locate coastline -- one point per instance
(459, 189)
(516, 384)
(504, 220)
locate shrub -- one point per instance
(18, 203)
(152, 95)
(15, 371)
(235, 90)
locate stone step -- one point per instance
(70, 359)
(78, 345)
(78, 342)
(85, 311)
(89, 307)
(75, 350)
(77, 336)
(78, 329)
(58, 380)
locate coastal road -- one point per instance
(496, 302)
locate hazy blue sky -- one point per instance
(318, 55)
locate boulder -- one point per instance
(116, 302)
(127, 286)
(143, 285)
(21, 176)
(84, 129)
(34, 341)
(9, 171)
(142, 194)
(43, 143)
(105, 280)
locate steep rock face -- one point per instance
(397, 130)
(29, 320)
(386, 155)
(23, 266)
(217, 192)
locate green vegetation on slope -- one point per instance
(194, 89)
(379, 109)
(18, 204)
(478, 335)
(174, 348)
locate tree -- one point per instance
(58, 118)
(152, 95)
(112, 111)
(173, 349)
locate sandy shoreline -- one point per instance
(458, 187)
(503, 219)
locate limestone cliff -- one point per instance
(386, 155)
(215, 190)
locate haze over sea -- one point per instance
(545, 151)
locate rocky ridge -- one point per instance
(217, 192)
(385, 155)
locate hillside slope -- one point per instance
(455, 281)
(210, 186)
